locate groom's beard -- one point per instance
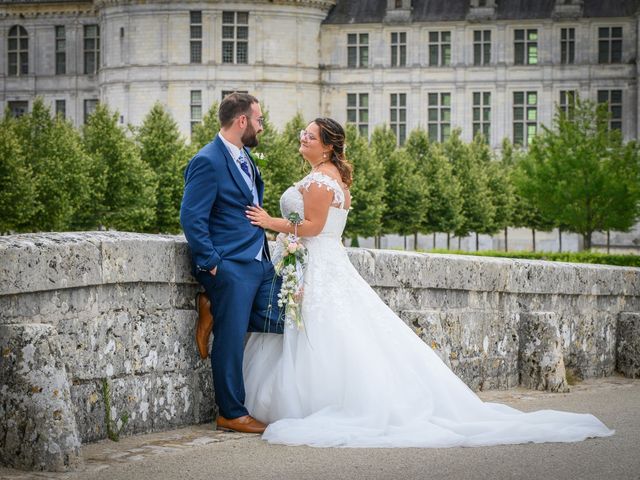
(249, 137)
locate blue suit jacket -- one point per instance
(213, 207)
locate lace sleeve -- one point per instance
(322, 179)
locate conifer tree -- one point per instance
(123, 194)
(165, 151)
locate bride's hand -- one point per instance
(258, 216)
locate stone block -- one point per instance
(628, 344)
(540, 359)
(37, 423)
(47, 261)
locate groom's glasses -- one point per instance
(304, 134)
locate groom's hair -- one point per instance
(234, 105)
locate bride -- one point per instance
(356, 375)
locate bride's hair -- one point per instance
(332, 134)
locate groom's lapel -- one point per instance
(235, 173)
(256, 174)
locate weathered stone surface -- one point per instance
(37, 426)
(628, 344)
(120, 307)
(541, 362)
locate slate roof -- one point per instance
(373, 11)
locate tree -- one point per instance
(206, 131)
(60, 168)
(443, 190)
(17, 190)
(582, 175)
(124, 194)
(367, 190)
(382, 145)
(478, 210)
(499, 186)
(164, 150)
(405, 195)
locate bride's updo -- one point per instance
(332, 134)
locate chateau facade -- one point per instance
(495, 66)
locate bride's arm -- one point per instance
(317, 200)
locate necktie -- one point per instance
(244, 165)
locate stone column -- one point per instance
(37, 424)
(628, 344)
(540, 359)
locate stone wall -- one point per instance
(83, 311)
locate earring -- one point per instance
(324, 154)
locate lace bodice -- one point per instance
(292, 201)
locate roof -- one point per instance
(373, 11)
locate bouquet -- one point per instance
(291, 267)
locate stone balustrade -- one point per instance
(92, 317)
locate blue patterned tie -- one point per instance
(243, 164)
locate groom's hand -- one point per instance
(213, 271)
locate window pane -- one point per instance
(603, 32)
(616, 51)
(532, 35)
(616, 112)
(477, 35)
(243, 18)
(446, 99)
(196, 31)
(518, 98)
(486, 98)
(532, 98)
(243, 33)
(533, 55)
(433, 37)
(196, 16)
(364, 115)
(532, 114)
(603, 51)
(616, 32)
(476, 114)
(486, 114)
(616, 96)
(603, 96)
(364, 56)
(228, 17)
(227, 31)
(433, 99)
(433, 55)
(242, 52)
(518, 113)
(196, 96)
(446, 115)
(351, 116)
(351, 99)
(476, 98)
(364, 100)
(227, 52)
(519, 34)
(519, 54)
(446, 36)
(352, 39)
(433, 114)
(364, 38)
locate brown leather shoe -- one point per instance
(246, 424)
(204, 326)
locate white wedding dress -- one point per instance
(357, 376)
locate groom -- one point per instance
(230, 256)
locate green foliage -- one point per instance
(281, 163)
(164, 150)
(60, 169)
(444, 212)
(123, 195)
(580, 174)
(113, 431)
(207, 130)
(469, 168)
(573, 257)
(17, 190)
(382, 145)
(367, 190)
(405, 195)
(499, 186)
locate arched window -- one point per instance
(18, 51)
